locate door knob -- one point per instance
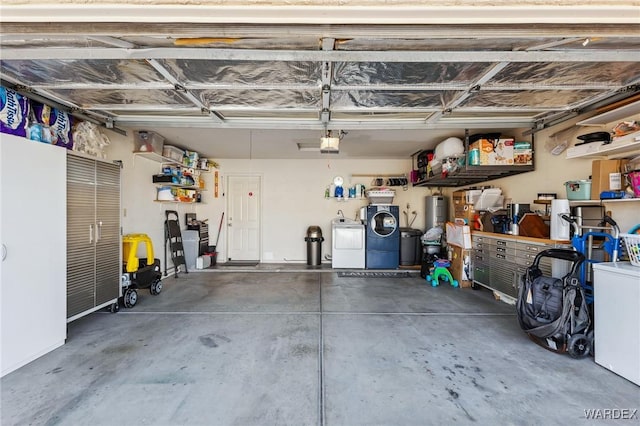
(4, 252)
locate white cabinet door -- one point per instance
(33, 276)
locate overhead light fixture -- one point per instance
(330, 144)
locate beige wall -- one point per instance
(552, 171)
(293, 193)
(292, 199)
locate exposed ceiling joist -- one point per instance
(320, 55)
(487, 29)
(205, 122)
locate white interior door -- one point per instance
(243, 219)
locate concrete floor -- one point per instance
(287, 345)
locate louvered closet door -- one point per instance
(81, 214)
(108, 265)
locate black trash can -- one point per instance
(314, 245)
(410, 253)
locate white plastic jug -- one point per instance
(559, 227)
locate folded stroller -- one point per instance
(553, 311)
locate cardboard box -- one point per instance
(458, 197)
(458, 235)
(522, 153)
(467, 196)
(462, 207)
(495, 152)
(485, 147)
(600, 175)
(503, 152)
(461, 266)
(465, 212)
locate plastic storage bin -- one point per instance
(632, 244)
(148, 142)
(173, 152)
(578, 189)
(191, 241)
(381, 197)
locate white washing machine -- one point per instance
(348, 244)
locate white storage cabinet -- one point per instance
(33, 273)
(94, 265)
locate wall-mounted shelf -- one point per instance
(342, 199)
(475, 174)
(178, 202)
(547, 208)
(622, 147)
(468, 174)
(185, 194)
(154, 156)
(380, 175)
(613, 115)
(386, 179)
(177, 185)
(604, 201)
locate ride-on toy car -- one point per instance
(138, 273)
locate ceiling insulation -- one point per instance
(318, 77)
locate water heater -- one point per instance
(436, 211)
